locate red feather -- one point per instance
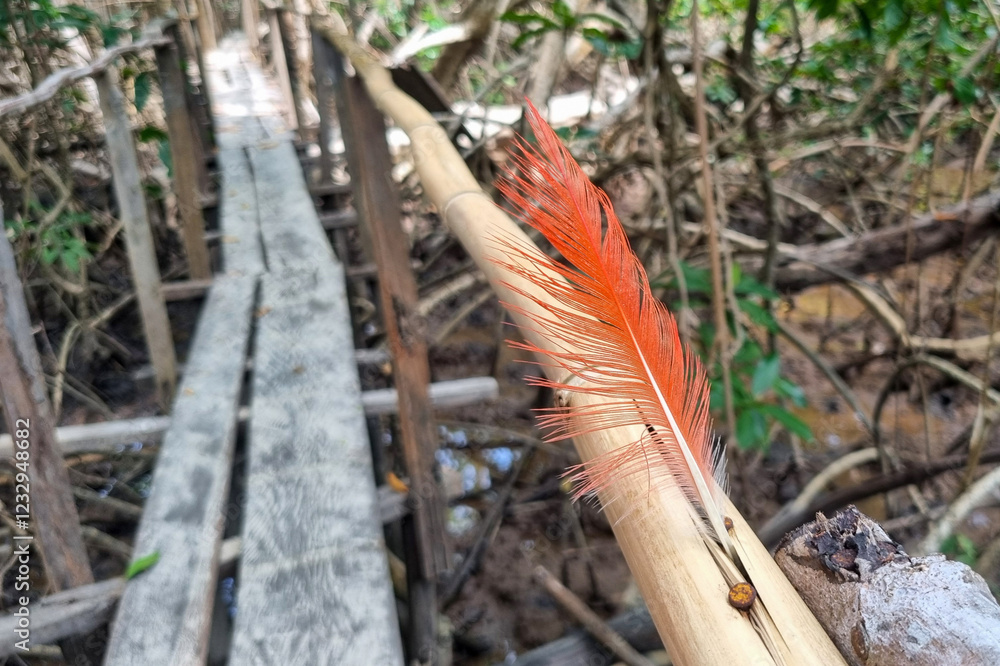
(602, 325)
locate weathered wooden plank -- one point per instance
(206, 25)
(185, 159)
(378, 205)
(164, 614)
(278, 61)
(314, 585)
(290, 229)
(241, 245)
(286, 26)
(233, 105)
(44, 504)
(138, 238)
(184, 290)
(322, 69)
(83, 609)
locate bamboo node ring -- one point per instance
(458, 195)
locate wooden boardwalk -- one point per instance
(313, 583)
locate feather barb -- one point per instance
(606, 334)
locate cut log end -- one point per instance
(881, 606)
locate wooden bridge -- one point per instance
(271, 377)
(314, 585)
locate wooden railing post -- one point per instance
(206, 25)
(322, 74)
(280, 63)
(200, 105)
(47, 506)
(286, 30)
(185, 158)
(138, 238)
(251, 20)
(377, 200)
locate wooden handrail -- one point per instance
(46, 90)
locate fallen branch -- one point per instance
(883, 249)
(579, 647)
(595, 625)
(147, 430)
(968, 348)
(773, 531)
(978, 494)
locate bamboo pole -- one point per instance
(680, 577)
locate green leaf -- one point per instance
(631, 49)
(166, 157)
(527, 35)
(866, 23)
(604, 18)
(964, 88)
(697, 280)
(110, 34)
(748, 285)
(143, 86)
(749, 352)
(564, 13)
(824, 8)
(789, 389)
(751, 429)
(765, 375)
(792, 423)
(961, 548)
(758, 314)
(599, 40)
(526, 18)
(151, 133)
(139, 565)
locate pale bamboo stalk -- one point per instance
(676, 571)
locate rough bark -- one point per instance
(882, 607)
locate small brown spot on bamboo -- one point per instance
(742, 596)
(728, 522)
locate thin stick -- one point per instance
(595, 625)
(712, 228)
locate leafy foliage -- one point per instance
(44, 23)
(612, 39)
(960, 548)
(759, 388)
(58, 242)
